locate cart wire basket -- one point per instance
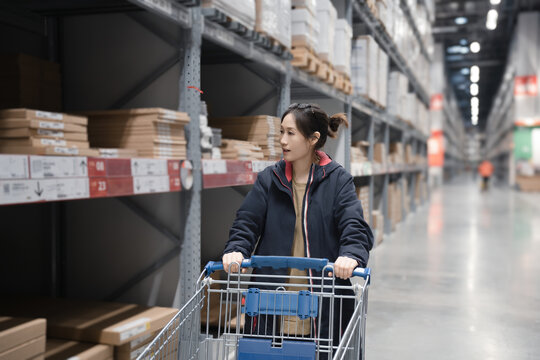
(300, 313)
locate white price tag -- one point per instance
(133, 328)
(58, 167)
(49, 115)
(20, 191)
(51, 125)
(150, 184)
(53, 142)
(59, 134)
(14, 167)
(148, 167)
(72, 189)
(214, 167)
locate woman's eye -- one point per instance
(281, 132)
(291, 133)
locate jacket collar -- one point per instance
(324, 160)
(283, 169)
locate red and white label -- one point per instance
(436, 102)
(526, 86)
(97, 167)
(143, 167)
(98, 187)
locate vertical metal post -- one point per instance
(386, 210)
(284, 90)
(190, 102)
(401, 179)
(413, 178)
(348, 134)
(371, 140)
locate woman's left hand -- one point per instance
(344, 266)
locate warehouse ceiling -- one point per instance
(459, 23)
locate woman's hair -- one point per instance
(311, 118)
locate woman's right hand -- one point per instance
(230, 258)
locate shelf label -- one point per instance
(150, 184)
(98, 187)
(173, 167)
(214, 167)
(77, 188)
(58, 167)
(14, 167)
(174, 183)
(49, 115)
(20, 191)
(142, 167)
(258, 166)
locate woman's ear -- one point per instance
(315, 138)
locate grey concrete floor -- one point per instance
(459, 279)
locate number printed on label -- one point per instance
(100, 165)
(102, 185)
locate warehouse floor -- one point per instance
(459, 279)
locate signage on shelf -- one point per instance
(42, 167)
(14, 167)
(143, 167)
(525, 86)
(150, 184)
(436, 102)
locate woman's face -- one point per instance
(294, 145)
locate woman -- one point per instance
(305, 205)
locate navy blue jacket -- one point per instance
(335, 224)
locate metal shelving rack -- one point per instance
(292, 83)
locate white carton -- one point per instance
(383, 77)
(342, 47)
(327, 17)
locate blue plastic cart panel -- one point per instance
(261, 349)
(303, 304)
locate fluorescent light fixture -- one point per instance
(474, 111)
(495, 2)
(491, 21)
(474, 120)
(474, 89)
(474, 117)
(475, 47)
(461, 20)
(474, 102)
(475, 74)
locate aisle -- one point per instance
(459, 279)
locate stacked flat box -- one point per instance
(396, 155)
(342, 47)
(240, 150)
(134, 348)
(363, 195)
(359, 154)
(34, 132)
(273, 18)
(409, 159)
(382, 11)
(22, 338)
(261, 130)
(58, 349)
(305, 29)
(95, 322)
(310, 5)
(383, 77)
(378, 226)
(379, 153)
(152, 132)
(397, 91)
(365, 67)
(410, 108)
(241, 11)
(30, 82)
(406, 197)
(327, 17)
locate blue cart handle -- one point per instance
(284, 262)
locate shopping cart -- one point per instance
(257, 316)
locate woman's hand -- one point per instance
(230, 258)
(344, 266)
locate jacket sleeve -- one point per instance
(250, 218)
(356, 238)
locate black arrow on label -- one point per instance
(39, 191)
(83, 166)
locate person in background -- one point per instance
(305, 206)
(485, 170)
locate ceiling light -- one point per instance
(474, 102)
(491, 21)
(465, 71)
(474, 117)
(474, 120)
(475, 47)
(475, 74)
(495, 2)
(474, 89)
(461, 20)
(474, 111)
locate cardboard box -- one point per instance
(134, 348)
(27, 81)
(327, 17)
(528, 183)
(378, 226)
(16, 331)
(379, 153)
(58, 349)
(91, 321)
(23, 113)
(382, 75)
(27, 350)
(363, 195)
